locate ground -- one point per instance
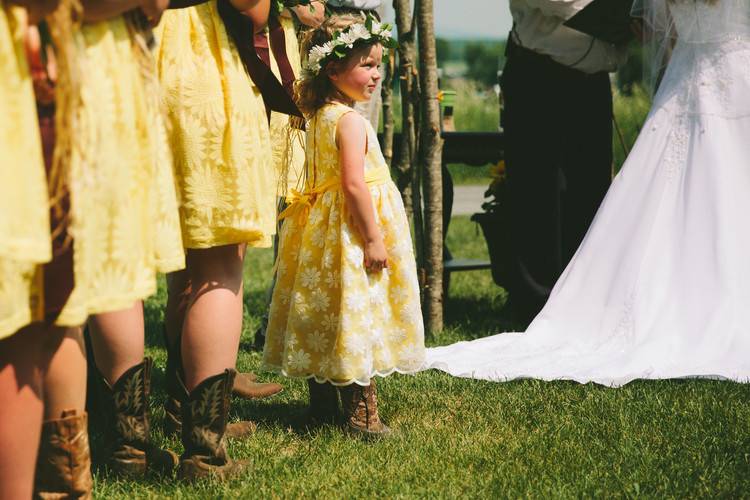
(466, 438)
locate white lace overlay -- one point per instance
(660, 286)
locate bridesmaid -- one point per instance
(220, 140)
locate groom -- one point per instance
(558, 127)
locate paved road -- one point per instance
(468, 200)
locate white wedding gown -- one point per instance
(660, 286)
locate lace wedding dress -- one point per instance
(660, 286)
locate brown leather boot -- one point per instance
(127, 414)
(246, 387)
(176, 391)
(360, 405)
(176, 394)
(63, 467)
(324, 403)
(204, 417)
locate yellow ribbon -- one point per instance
(300, 203)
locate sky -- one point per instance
(470, 18)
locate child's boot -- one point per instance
(324, 403)
(63, 467)
(360, 405)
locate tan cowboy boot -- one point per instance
(360, 406)
(127, 414)
(204, 417)
(246, 387)
(324, 403)
(63, 467)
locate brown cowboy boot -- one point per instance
(246, 387)
(128, 427)
(324, 403)
(204, 417)
(177, 393)
(63, 467)
(360, 405)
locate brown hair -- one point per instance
(311, 91)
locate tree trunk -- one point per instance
(430, 162)
(408, 84)
(387, 95)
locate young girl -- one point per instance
(346, 303)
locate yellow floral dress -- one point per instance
(287, 143)
(329, 318)
(24, 212)
(125, 224)
(219, 133)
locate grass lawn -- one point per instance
(465, 438)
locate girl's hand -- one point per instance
(376, 256)
(153, 9)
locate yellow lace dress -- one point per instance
(24, 214)
(219, 133)
(124, 219)
(329, 318)
(125, 223)
(287, 143)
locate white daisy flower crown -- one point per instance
(345, 41)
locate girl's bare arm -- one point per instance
(351, 138)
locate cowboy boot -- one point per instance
(246, 387)
(127, 424)
(204, 418)
(63, 467)
(324, 403)
(176, 393)
(360, 405)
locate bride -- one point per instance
(660, 286)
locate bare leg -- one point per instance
(213, 321)
(65, 378)
(178, 297)
(21, 374)
(118, 341)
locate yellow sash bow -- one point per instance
(300, 203)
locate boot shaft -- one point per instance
(63, 467)
(205, 414)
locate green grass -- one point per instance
(466, 438)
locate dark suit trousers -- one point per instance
(558, 130)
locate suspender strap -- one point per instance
(240, 30)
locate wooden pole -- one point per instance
(409, 87)
(387, 96)
(430, 162)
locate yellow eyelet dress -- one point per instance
(125, 224)
(24, 207)
(219, 133)
(329, 318)
(287, 143)
(123, 204)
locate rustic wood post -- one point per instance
(409, 87)
(430, 162)
(387, 96)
